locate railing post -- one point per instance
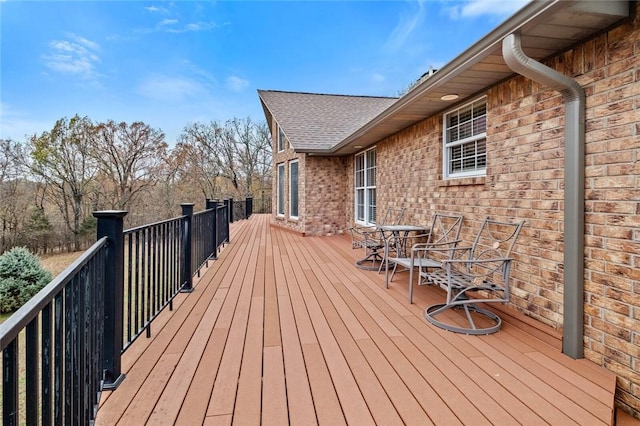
(230, 210)
(110, 225)
(186, 279)
(213, 204)
(248, 207)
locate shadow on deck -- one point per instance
(283, 329)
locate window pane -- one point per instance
(371, 207)
(281, 189)
(359, 178)
(365, 183)
(452, 134)
(293, 189)
(468, 124)
(360, 204)
(281, 139)
(464, 130)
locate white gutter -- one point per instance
(574, 135)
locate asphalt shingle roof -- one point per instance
(314, 122)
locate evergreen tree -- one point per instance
(21, 277)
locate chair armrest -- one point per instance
(359, 235)
(439, 246)
(487, 266)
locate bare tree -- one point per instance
(193, 162)
(128, 158)
(213, 144)
(62, 159)
(10, 210)
(253, 151)
(239, 151)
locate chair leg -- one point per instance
(432, 311)
(411, 284)
(395, 265)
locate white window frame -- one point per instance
(282, 139)
(280, 201)
(291, 215)
(364, 182)
(474, 144)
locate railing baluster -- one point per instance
(130, 283)
(46, 364)
(58, 365)
(82, 398)
(139, 296)
(186, 279)
(10, 384)
(31, 367)
(69, 339)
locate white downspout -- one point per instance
(574, 134)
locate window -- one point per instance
(365, 186)
(282, 139)
(280, 190)
(293, 189)
(465, 140)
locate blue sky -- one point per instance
(170, 63)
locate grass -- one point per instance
(58, 262)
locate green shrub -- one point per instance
(21, 277)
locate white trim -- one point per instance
(365, 189)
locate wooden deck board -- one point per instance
(285, 329)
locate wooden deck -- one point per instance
(284, 329)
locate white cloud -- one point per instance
(154, 9)
(475, 8)
(168, 22)
(84, 42)
(170, 89)
(202, 75)
(408, 22)
(237, 84)
(76, 56)
(193, 27)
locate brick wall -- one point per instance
(285, 157)
(325, 191)
(524, 181)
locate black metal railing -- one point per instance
(78, 326)
(261, 205)
(222, 225)
(63, 329)
(241, 209)
(152, 273)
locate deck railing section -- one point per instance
(261, 205)
(152, 273)
(222, 225)
(63, 328)
(241, 209)
(78, 326)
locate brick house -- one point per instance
(539, 120)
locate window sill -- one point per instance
(464, 181)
